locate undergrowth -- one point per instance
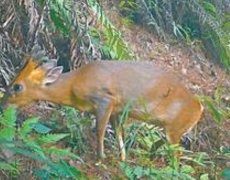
(188, 21)
(36, 142)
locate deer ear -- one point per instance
(49, 65)
(52, 75)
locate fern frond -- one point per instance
(117, 48)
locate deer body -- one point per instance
(105, 87)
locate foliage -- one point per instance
(186, 20)
(114, 47)
(34, 141)
(67, 30)
(220, 111)
(139, 172)
(76, 125)
(163, 165)
(226, 174)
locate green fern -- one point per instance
(220, 112)
(139, 172)
(30, 141)
(114, 44)
(50, 138)
(60, 15)
(187, 21)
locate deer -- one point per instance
(103, 88)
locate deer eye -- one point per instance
(17, 88)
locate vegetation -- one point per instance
(34, 141)
(76, 32)
(191, 21)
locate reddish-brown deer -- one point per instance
(104, 88)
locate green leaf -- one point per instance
(127, 170)
(56, 18)
(62, 169)
(138, 171)
(204, 177)
(226, 174)
(9, 117)
(226, 26)
(43, 174)
(30, 154)
(40, 128)
(69, 170)
(8, 167)
(35, 148)
(41, 2)
(62, 153)
(7, 134)
(27, 126)
(213, 108)
(187, 169)
(111, 36)
(209, 7)
(51, 138)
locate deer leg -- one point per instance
(119, 134)
(103, 114)
(174, 138)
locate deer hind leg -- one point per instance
(174, 137)
(119, 134)
(103, 114)
(175, 132)
(183, 123)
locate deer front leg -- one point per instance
(119, 134)
(103, 114)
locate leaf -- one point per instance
(209, 7)
(7, 134)
(43, 174)
(138, 171)
(111, 35)
(187, 169)
(51, 138)
(56, 18)
(27, 126)
(212, 107)
(226, 173)
(35, 148)
(9, 117)
(69, 170)
(30, 154)
(41, 2)
(40, 128)
(122, 4)
(226, 26)
(8, 167)
(204, 177)
(127, 170)
(62, 169)
(62, 153)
